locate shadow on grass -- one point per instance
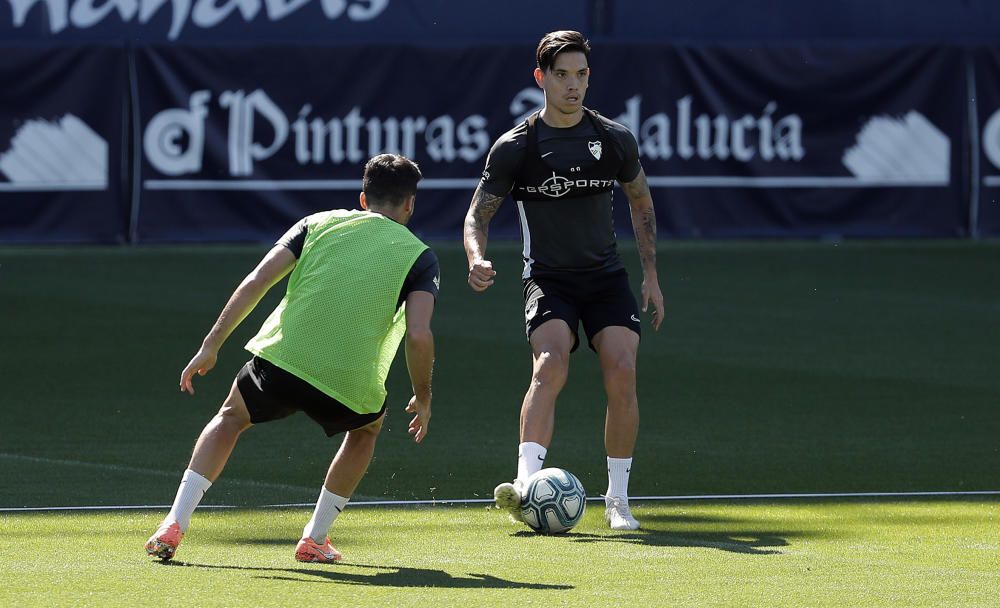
(381, 576)
(749, 542)
(732, 542)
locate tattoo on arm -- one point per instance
(643, 219)
(645, 234)
(637, 188)
(484, 206)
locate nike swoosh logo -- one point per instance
(546, 154)
(635, 318)
(542, 459)
(628, 470)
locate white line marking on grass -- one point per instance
(365, 502)
(817, 495)
(117, 468)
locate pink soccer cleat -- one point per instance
(163, 544)
(309, 550)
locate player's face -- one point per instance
(565, 83)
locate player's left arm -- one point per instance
(419, 360)
(640, 203)
(278, 262)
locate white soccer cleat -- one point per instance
(508, 497)
(618, 515)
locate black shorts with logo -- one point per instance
(597, 300)
(272, 393)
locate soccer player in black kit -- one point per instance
(560, 167)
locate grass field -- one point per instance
(804, 554)
(785, 367)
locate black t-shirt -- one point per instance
(568, 234)
(424, 275)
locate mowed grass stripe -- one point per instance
(830, 553)
(781, 368)
(118, 468)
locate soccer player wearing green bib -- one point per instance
(360, 282)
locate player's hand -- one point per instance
(421, 411)
(651, 293)
(201, 363)
(481, 275)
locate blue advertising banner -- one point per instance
(770, 22)
(62, 126)
(798, 141)
(987, 100)
(424, 22)
(237, 143)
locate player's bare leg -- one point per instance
(617, 348)
(218, 438)
(550, 345)
(211, 452)
(345, 473)
(352, 460)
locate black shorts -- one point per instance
(272, 393)
(596, 300)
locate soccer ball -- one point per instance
(553, 501)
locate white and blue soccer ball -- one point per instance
(553, 501)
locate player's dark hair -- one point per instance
(562, 41)
(390, 179)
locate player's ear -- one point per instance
(363, 201)
(539, 77)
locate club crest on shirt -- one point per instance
(595, 148)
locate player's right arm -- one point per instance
(497, 182)
(477, 222)
(278, 262)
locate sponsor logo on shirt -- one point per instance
(557, 185)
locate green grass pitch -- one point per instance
(781, 367)
(693, 554)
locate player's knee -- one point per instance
(234, 413)
(234, 416)
(619, 377)
(551, 368)
(370, 431)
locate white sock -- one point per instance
(618, 471)
(530, 458)
(328, 507)
(193, 487)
